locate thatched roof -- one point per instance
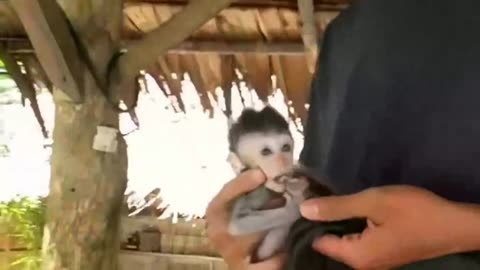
(259, 38)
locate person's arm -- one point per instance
(406, 225)
(468, 229)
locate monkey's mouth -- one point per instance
(277, 200)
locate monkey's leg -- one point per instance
(257, 221)
(273, 242)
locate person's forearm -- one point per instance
(468, 228)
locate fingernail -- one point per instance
(309, 210)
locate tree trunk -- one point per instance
(86, 188)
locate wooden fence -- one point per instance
(163, 245)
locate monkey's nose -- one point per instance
(283, 163)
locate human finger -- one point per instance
(235, 250)
(333, 208)
(274, 263)
(244, 183)
(359, 251)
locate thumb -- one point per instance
(334, 208)
(274, 263)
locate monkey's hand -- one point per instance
(263, 220)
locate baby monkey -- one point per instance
(262, 139)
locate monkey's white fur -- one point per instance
(249, 153)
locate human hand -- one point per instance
(405, 224)
(236, 250)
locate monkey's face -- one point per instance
(272, 152)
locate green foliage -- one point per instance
(4, 150)
(24, 219)
(7, 83)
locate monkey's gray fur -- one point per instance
(267, 132)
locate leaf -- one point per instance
(23, 218)
(6, 82)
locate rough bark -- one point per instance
(86, 189)
(87, 186)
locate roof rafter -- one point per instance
(47, 27)
(309, 32)
(318, 5)
(23, 46)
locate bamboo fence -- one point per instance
(174, 246)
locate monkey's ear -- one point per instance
(235, 162)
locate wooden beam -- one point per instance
(143, 53)
(20, 46)
(17, 45)
(228, 75)
(48, 29)
(309, 32)
(25, 85)
(231, 48)
(175, 85)
(252, 4)
(277, 67)
(155, 73)
(32, 62)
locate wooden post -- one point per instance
(309, 32)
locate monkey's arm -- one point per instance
(256, 221)
(273, 242)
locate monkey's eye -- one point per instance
(266, 151)
(286, 148)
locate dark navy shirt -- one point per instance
(396, 98)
